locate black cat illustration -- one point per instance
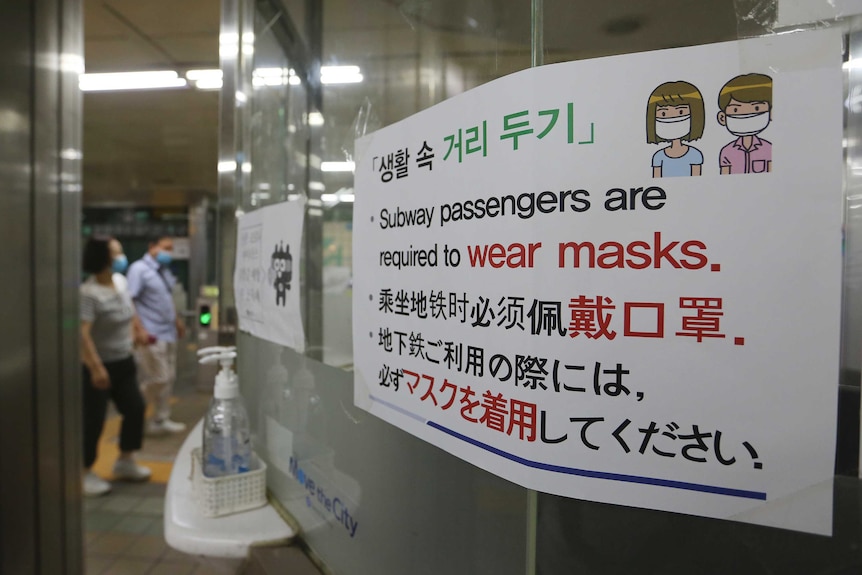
(282, 265)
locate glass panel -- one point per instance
(583, 537)
(411, 55)
(406, 499)
(278, 128)
(369, 498)
(576, 30)
(374, 499)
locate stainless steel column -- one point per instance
(199, 250)
(40, 461)
(226, 206)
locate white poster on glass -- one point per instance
(617, 279)
(266, 277)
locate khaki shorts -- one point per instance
(157, 363)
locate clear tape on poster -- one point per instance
(758, 18)
(804, 12)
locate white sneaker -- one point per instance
(94, 485)
(128, 470)
(164, 427)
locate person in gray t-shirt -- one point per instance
(109, 329)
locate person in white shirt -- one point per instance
(109, 330)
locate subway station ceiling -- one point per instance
(160, 146)
(153, 146)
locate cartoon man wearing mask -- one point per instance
(745, 105)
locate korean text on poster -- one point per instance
(617, 279)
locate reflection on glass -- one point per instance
(383, 62)
(278, 125)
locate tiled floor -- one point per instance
(124, 529)
(124, 536)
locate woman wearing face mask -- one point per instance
(745, 105)
(109, 330)
(675, 114)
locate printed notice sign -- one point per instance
(617, 279)
(266, 277)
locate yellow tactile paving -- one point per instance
(109, 451)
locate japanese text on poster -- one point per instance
(617, 279)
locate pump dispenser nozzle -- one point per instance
(226, 435)
(226, 385)
(205, 351)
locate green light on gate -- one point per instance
(205, 317)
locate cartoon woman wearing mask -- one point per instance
(675, 114)
(745, 105)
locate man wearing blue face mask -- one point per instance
(151, 286)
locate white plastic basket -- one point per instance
(217, 496)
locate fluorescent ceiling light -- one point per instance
(228, 45)
(130, 81)
(228, 38)
(347, 197)
(210, 79)
(275, 77)
(315, 119)
(337, 166)
(72, 63)
(209, 84)
(228, 50)
(229, 166)
(209, 74)
(258, 81)
(340, 70)
(317, 186)
(271, 72)
(340, 75)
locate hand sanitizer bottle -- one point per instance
(226, 438)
